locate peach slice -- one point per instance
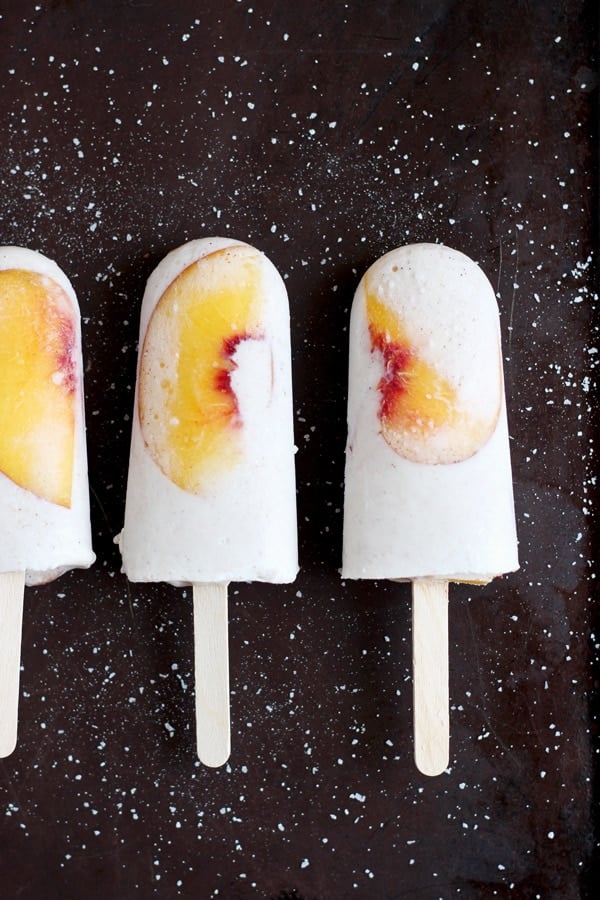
(188, 410)
(422, 414)
(38, 380)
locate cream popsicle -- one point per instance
(44, 501)
(428, 493)
(211, 485)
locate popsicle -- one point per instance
(428, 483)
(44, 502)
(211, 494)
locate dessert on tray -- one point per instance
(428, 483)
(211, 494)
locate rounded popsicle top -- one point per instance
(205, 305)
(26, 260)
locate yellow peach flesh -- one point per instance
(188, 411)
(38, 385)
(420, 411)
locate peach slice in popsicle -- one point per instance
(37, 374)
(422, 410)
(188, 410)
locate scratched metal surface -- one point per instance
(325, 134)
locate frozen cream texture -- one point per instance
(428, 484)
(40, 537)
(240, 523)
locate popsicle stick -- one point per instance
(211, 669)
(12, 586)
(430, 675)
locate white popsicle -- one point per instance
(428, 494)
(211, 486)
(44, 500)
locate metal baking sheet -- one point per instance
(325, 134)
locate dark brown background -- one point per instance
(326, 134)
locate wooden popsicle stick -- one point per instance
(211, 671)
(430, 675)
(12, 588)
